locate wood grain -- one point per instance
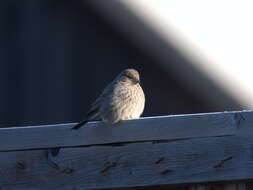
(211, 159)
(147, 129)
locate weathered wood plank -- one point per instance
(211, 159)
(147, 129)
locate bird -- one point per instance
(122, 99)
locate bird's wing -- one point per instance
(103, 100)
(95, 111)
(90, 115)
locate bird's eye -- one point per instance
(130, 76)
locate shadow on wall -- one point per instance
(57, 56)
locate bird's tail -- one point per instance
(92, 114)
(80, 124)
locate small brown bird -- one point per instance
(122, 99)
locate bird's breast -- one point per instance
(129, 102)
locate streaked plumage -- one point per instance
(122, 99)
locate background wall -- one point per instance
(56, 56)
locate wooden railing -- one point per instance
(195, 152)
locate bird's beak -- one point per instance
(136, 81)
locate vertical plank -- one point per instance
(198, 187)
(230, 187)
(249, 186)
(239, 186)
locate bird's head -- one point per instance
(130, 75)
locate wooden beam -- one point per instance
(173, 127)
(210, 159)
